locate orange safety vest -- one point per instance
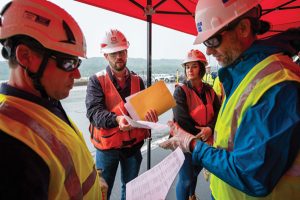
(201, 113)
(113, 138)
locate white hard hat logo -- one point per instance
(212, 15)
(199, 26)
(113, 40)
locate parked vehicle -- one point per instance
(144, 78)
(168, 78)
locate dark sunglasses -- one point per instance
(67, 64)
(64, 62)
(216, 40)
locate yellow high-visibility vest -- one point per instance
(269, 72)
(72, 170)
(207, 78)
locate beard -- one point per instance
(231, 53)
(118, 65)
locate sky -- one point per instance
(94, 22)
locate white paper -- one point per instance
(145, 124)
(130, 108)
(155, 183)
(131, 111)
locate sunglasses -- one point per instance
(216, 40)
(64, 62)
(67, 64)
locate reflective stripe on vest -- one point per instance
(269, 72)
(75, 188)
(219, 90)
(114, 138)
(207, 78)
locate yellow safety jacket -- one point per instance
(114, 138)
(219, 90)
(207, 78)
(72, 170)
(269, 72)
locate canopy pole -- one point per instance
(149, 70)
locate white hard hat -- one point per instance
(194, 55)
(212, 15)
(44, 21)
(114, 41)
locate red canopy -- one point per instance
(179, 14)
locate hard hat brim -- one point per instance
(201, 37)
(114, 49)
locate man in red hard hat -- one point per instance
(43, 154)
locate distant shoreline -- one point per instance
(81, 82)
(78, 82)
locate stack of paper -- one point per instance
(157, 97)
(147, 125)
(156, 182)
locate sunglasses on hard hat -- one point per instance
(67, 64)
(216, 40)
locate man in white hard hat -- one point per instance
(257, 141)
(116, 141)
(43, 154)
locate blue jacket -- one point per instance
(272, 114)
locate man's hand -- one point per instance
(151, 116)
(204, 134)
(123, 124)
(180, 139)
(103, 185)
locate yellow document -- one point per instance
(157, 97)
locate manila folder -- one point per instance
(157, 97)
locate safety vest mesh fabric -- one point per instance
(72, 170)
(114, 138)
(207, 78)
(269, 72)
(201, 113)
(219, 90)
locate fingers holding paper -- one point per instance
(180, 139)
(204, 134)
(123, 123)
(151, 115)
